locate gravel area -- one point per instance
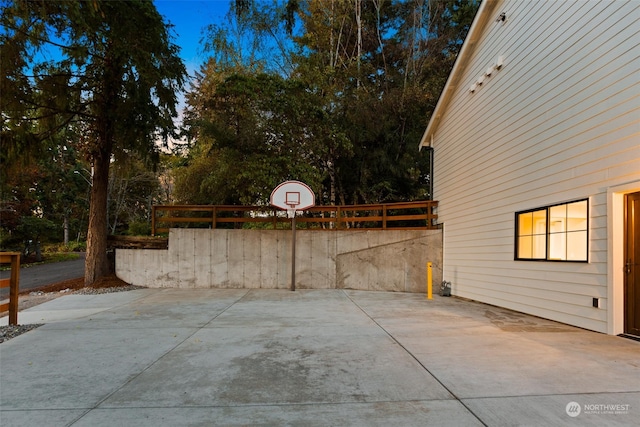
(8, 332)
(94, 291)
(106, 285)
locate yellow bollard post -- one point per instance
(429, 282)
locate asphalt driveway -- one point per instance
(45, 274)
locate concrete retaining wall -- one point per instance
(366, 260)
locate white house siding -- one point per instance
(559, 122)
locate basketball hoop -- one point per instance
(293, 196)
(292, 200)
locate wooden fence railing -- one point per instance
(397, 216)
(13, 283)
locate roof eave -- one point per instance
(483, 16)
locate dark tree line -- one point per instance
(86, 67)
(335, 93)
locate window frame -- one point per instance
(548, 233)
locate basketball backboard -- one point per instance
(294, 195)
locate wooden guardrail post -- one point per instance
(384, 217)
(153, 220)
(12, 283)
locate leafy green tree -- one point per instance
(354, 98)
(108, 67)
(19, 199)
(62, 192)
(27, 219)
(34, 230)
(380, 67)
(253, 133)
(133, 189)
(42, 187)
(254, 38)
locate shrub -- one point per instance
(139, 228)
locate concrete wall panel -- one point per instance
(269, 260)
(400, 266)
(367, 260)
(323, 261)
(186, 259)
(304, 260)
(251, 255)
(284, 259)
(219, 266)
(202, 259)
(157, 268)
(170, 274)
(235, 259)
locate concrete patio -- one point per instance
(195, 357)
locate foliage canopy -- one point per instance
(87, 66)
(343, 112)
(335, 93)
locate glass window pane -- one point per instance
(539, 246)
(524, 247)
(557, 218)
(577, 216)
(557, 246)
(577, 246)
(556, 233)
(540, 221)
(525, 224)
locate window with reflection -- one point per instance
(553, 233)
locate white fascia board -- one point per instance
(483, 16)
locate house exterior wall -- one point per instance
(560, 121)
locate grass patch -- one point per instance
(59, 256)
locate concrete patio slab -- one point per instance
(77, 368)
(597, 410)
(158, 357)
(383, 414)
(72, 307)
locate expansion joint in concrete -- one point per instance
(416, 359)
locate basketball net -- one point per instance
(291, 212)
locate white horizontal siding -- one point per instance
(559, 122)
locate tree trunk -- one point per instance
(96, 263)
(38, 250)
(359, 40)
(65, 226)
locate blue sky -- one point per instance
(189, 17)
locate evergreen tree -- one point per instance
(109, 67)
